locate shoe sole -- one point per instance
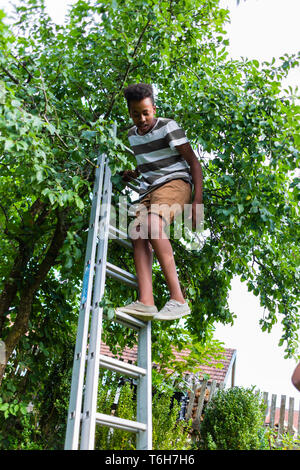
(143, 318)
(171, 317)
(141, 314)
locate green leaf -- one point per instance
(8, 145)
(240, 208)
(110, 313)
(4, 406)
(79, 202)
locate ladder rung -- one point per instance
(128, 321)
(120, 423)
(120, 237)
(133, 187)
(120, 366)
(121, 275)
(129, 150)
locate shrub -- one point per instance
(115, 439)
(233, 419)
(168, 432)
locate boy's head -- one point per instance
(141, 107)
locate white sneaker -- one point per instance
(139, 310)
(172, 310)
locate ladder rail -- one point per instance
(144, 388)
(82, 414)
(75, 403)
(92, 373)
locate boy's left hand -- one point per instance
(129, 175)
(196, 214)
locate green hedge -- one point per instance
(233, 419)
(168, 432)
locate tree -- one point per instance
(61, 90)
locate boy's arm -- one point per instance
(188, 154)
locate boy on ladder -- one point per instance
(168, 167)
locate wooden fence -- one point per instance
(285, 417)
(282, 418)
(199, 396)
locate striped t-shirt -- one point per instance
(158, 160)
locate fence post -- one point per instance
(189, 410)
(212, 390)
(291, 416)
(200, 405)
(265, 397)
(281, 416)
(272, 412)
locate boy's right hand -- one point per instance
(129, 175)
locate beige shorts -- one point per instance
(167, 201)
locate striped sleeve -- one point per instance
(175, 135)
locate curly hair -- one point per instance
(138, 92)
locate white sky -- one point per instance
(259, 29)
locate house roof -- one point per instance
(218, 374)
(214, 372)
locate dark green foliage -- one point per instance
(39, 376)
(33, 412)
(106, 438)
(168, 432)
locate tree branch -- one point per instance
(129, 66)
(56, 134)
(14, 79)
(23, 65)
(54, 248)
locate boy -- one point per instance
(168, 168)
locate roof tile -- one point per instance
(130, 355)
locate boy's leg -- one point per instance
(142, 253)
(164, 252)
(144, 308)
(143, 259)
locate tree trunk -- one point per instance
(20, 326)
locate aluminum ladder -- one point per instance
(82, 414)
